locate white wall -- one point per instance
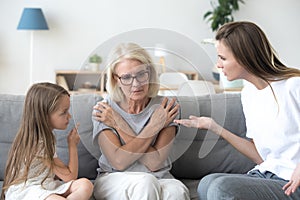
(78, 27)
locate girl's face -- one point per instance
(59, 119)
(226, 61)
(133, 79)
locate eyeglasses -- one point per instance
(127, 79)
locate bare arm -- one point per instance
(243, 145)
(159, 152)
(70, 171)
(135, 147)
(121, 156)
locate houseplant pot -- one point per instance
(94, 62)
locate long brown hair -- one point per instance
(35, 132)
(253, 51)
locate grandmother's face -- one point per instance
(133, 79)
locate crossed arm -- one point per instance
(151, 147)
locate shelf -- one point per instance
(79, 72)
(77, 82)
(84, 81)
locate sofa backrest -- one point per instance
(195, 153)
(200, 152)
(11, 108)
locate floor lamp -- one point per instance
(32, 19)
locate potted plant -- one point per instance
(95, 60)
(222, 13)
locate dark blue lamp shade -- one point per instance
(32, 19)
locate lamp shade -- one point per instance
(32, 19)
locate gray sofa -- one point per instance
(196, 153)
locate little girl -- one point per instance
(33, 170)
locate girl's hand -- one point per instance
(199, 122)
(294, 183)
(73, 136)
(104, 113)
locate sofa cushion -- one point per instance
(200, 152)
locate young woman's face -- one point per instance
(226, 61)
(59, 119)
(133, 79)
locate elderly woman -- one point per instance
(134, 130)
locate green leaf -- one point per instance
(221, 13)
(95, 59)
(207, 14)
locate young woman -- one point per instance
(135, 131)
(33, 169)
(271, 104)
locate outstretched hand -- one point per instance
(195, 122)
(199, 122)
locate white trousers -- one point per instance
(138, 186)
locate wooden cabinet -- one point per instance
(76, 81)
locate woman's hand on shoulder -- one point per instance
(164, 114)
(105, 114)
(171, 109)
